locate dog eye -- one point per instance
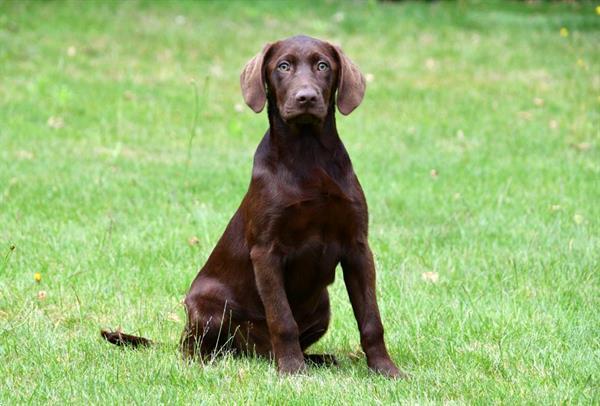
(284, 66)
(322, 66)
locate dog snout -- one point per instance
(306, 97)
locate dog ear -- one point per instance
(351, 84)
(252, 81)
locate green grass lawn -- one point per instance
(123, 135)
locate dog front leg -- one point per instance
(359, 277)
(283, 330)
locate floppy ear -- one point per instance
(252, 81)
(351, 84)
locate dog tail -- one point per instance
(125, 340)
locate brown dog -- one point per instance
(263, 289)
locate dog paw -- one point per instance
(388, 369)
(289, 366)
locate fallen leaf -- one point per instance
(525, 115)
(55, 122)
(356, 355)
(22, 154)
(431, 277)
(582, 146)
(430, 63)
(581, 63)
(173, 317)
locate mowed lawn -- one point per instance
(125, 147)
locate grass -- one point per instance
(478, 145)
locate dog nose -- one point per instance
(306, 97)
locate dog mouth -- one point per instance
(304, 118)
(312, 115)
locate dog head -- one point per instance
(301, 75)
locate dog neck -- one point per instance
(304, 148)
